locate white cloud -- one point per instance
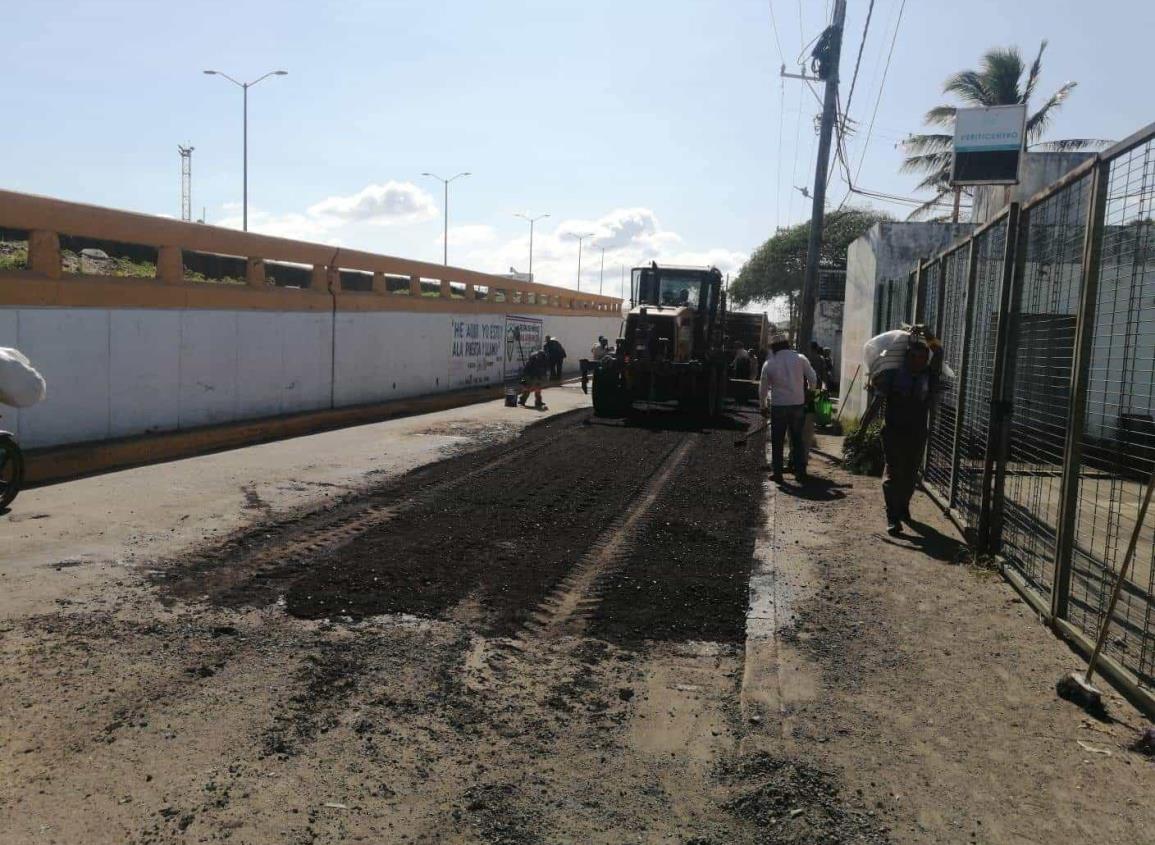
(630, 236)
(379, 205)
(383, 205)
(295, 226)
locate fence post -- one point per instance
(1005, 370)
(1080, 369)
(998, 412)
(964, 355)
(920, 281)
(44, 253)
(942, 276)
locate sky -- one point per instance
(659, 127)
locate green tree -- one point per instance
(997, 82)
(776, 269)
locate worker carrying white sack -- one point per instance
(905, 369)
(20, 385)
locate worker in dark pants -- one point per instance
(534, 376)
(907, 393)
(556, 353)
(784, 377)
(598, 351)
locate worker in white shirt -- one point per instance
(598, 351)
(784, 378)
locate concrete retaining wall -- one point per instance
(116, 372)
(128, 356)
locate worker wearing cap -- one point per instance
(784, 378)
(556, 354)
(907, 392)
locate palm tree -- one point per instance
(996, 83)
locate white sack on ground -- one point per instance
(20, 385)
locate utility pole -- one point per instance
(602, 274)
(822, 166)
(185, 183)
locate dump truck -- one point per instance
(672, 347)
(753, 330)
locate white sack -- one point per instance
(20, 385)
(885, 351)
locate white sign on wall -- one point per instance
(523, 337)
(475, 357)
(988, 144)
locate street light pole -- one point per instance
(445, 183)
(531, 220)
(245, 86)
(602, 273)
(581, 238)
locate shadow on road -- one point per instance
(816, 489)
(931, 542)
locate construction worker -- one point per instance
(534, 376)
(556, 353)
(828, 363)
(784, 377)
(818, 363)
(742, 362)
(908, 392)
(598, 351)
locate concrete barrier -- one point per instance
(126, 357)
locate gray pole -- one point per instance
(245, 86)
(580, 239)
(531, 252)
(810, 280)
(445, 239)
(245, 165)
(602, 273)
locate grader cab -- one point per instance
(672, 346)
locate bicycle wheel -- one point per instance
(11, 470)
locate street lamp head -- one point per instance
(210, 72)
(280, 73)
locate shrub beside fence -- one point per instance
(1044, 437)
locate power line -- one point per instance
(881, 88)
(870, 130)
(778, 158)
(774, 27)
(781, 118)
(794, 167)
(858, 62)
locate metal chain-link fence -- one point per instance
(1044, 435)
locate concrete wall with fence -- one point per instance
(877, 271)
(132, 356)
(1044, 440)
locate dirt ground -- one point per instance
(600, 633)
